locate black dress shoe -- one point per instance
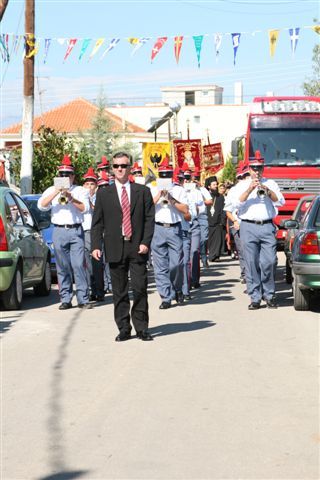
(100, 298)
(254, 306)
(92, 298)
(271, 303)
(187, 297)
(165, 305)
(195, 285)
(85, 306)
(65, 306)
(145, 336)
(123, 336)
(179, 298)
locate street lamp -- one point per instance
(174, 109)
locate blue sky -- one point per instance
(134, 79)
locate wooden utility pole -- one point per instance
(3, 6)
(28, 101)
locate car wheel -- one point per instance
(301, 298)
(289, 278)
(44, 287)
(12, 298)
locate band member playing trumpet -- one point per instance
(68, 236)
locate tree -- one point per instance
(311, 86)
(229, 171)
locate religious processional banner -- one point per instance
(212, 159)
(189, 151)
(153, 154)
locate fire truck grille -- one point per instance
(305, 185)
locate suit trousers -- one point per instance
(120, 288)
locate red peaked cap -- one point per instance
(177, 175)
(186, 169)
(90, 175)
(136, 168)
(257, 160)
(165, 167)
(239, 169)
(104, 179)
(66, 165)
(104, 163)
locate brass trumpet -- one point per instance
(63, 199)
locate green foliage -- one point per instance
(311, 86)
(229, 171)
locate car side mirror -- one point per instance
(289, 224)
(43, 224)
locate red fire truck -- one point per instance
(286, 130)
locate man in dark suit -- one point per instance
(124, 217)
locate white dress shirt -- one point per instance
(119, 189)
(67, 214)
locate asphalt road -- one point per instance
(221, 392)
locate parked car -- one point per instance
(305, 256)
(24, 254)
(298, 214)
(32, 201)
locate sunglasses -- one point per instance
(65, 174)
(120, 165)
(256, 168)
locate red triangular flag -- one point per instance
(157, 46)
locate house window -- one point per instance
(196, 119)
(205, 92)
(190, 98)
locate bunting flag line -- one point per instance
(198, 45)
(4, 50)
(17, 43)
(71, 45)
(177, 47)
(47, 42)
(111, 46)
(157, 47)
(84, 46)
(61, 41)
(137, 43)
(217, 44)
(235, 42)
(316, 28)
(273, 38)
(31, 45)
(96, 47)
(294, 37)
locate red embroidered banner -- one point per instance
(212, 158)
(189, 151)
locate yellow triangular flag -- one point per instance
(316, 28)
(98, 44)
(32, 47)
(273, 37)
(133, 40)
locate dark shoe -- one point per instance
(243, 280)
(187, 297)
(123, 336)
(271, 303)
(85, 306)
(100, 298)
(92, 298)
(65, 306)
(145, 336)
(195, 285)
(165, 305)
(254, 306)
(179, 298)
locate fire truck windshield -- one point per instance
(285, 141)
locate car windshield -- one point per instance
(285, 142)
(302, 210)
(38, 214)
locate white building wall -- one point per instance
(221, 122)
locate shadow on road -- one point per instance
(56, 445)
(173, 328)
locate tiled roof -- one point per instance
(72, 117)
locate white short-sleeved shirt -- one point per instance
(87, 217)
(169, 214)
(255, 208)
(67, 214)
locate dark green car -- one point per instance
(24, 255)
(305, 256)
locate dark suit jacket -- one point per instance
(107, 221)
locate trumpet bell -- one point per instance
(63, 200)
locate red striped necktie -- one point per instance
(126, 218)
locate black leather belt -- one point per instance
(167, 225)
(74, 225)
(257, 222)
